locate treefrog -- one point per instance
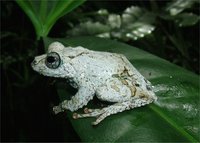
(109, 76)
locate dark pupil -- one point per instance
(51, 59)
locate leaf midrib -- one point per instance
(172, 123)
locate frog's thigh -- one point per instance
(113, 93)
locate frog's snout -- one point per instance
(34, 64)
(37, 60)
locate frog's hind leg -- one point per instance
(113, 109)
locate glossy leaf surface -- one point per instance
(177, 6)
(186, 19)
(173, 118)
(132, 24)
(44, 14)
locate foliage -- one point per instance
(178, 6)
(173, 118)
(44, 14)
(160, 30)
(132, 24)
(175, 12)
(135, 22)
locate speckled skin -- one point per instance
(109, 76)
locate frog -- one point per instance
(108, 76)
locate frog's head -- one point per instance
(54, 63)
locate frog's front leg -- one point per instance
(82, 97)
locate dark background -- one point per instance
(27, 98)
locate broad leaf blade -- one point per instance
(173, 118)
(186, 19)
(44, 14)
(177, 6)
(137, 23)
(134, 23)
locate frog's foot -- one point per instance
(101, 114)
(88, 113)
(57, 109)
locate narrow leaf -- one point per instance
(44, 14)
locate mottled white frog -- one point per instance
(109, 76)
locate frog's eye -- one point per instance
(52, 60)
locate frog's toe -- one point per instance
(88, 113)
(75, 116)
(101, 118)
(94, 123)
(87, 110)
(57, 109)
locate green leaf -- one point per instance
(44, 14)
(177, 6)
(186, 19)
(173, 118)
(137, 23)
(132, 24)
(89, 28)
